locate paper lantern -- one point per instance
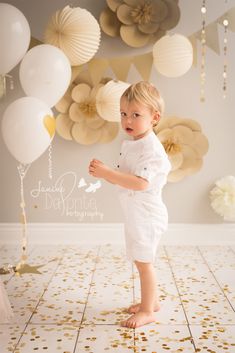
(173, 55)
(76, 32)
(108, 100)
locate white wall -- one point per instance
(188, 200)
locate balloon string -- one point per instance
(2, 86)
(50, 168)
(22, 170)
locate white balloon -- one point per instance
(45, 73)
(14, 37)
(28, 127)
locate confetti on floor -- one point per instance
(77, 301)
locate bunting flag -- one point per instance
(34, 41)
(212, 37)
(97, 68)
(144, 62)
(230, 15)
(121, 66)
(76, 70)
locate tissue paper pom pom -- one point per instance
(223, 198)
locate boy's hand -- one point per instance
(98, 169)
(128, 181)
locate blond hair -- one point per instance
(147, 94)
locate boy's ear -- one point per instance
(156, 118)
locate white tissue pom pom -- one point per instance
(223, 198)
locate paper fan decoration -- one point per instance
(139, 22)
(184, 144)
(173, 55)
(108, 100)
(223, 198)
(76, 32)
(79, 119)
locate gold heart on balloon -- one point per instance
(49, 123)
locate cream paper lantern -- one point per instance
(108, 100)
(173, 55)
(76, 32)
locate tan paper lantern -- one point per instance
(173, 55)
(108, 100)
(76, 32)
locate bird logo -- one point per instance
(81, 183)
(93, 186)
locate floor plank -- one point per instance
(76, 302)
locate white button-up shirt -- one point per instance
(145, 158)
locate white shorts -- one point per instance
(144, 222)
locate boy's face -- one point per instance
(136, 118)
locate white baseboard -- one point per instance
(100, 233)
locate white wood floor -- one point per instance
(76, 303)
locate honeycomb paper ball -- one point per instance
(173, 55)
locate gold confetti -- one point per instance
(25, 268)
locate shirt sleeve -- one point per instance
(152, 164)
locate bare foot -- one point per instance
(139, 319)
(135, 308)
